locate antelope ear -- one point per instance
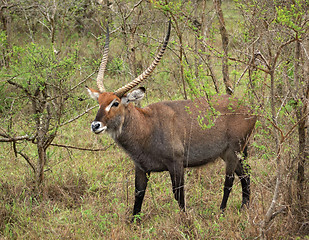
(134, 96)
(93, 93)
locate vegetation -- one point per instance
(60, 181)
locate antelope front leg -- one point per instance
(141, 180)
(177, 177)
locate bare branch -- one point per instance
(8, 138)
(78, 116)
(3, 133)
(281, 210)
(83, 149)
(74, 87)
(282, 104)
(270, 214)
(7, 6)
(14, 139)
(251, 65)
(27, 160)
(287, 135)
(305, 51)
(19, 86)
(135, 6)
(281, 47)
(81, 82)
(246, 69)
(263, 58)
(241, 76)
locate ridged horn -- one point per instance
(100, 76)
(123, 90)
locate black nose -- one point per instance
(95, 126)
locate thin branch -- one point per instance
(258, 53)
(287, 135)
(81, 82)
(281, 210)
(135, 6)
(281, 47)
(276, 127)
(19, 86)
(270, 214)
(241, 76)
(83, 149)
(282, 104)
(27, 160)
(4, 134)
(8, 138)
(159, 41)
(78, 116)
(305, 51)
(212, 75)
(251, 65)
(246, 69)
(14, 139)
(7, 6)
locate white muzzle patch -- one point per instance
(97, 127)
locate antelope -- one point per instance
(169, 135)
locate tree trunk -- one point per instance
(225, 43)
(301, 114)
(40, 164)
(132, 57)
(205, 33)
(6, 19)
(181, 54)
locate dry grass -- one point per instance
(90, 196)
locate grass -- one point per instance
(90, 195)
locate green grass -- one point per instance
(90, 195)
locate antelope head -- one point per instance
(110, 116)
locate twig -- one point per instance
(241, 76)
(305, 51)
(270, 212)
(19, 86)
(14, 139)
(27, 160)
(78, 116)
(81, 148)
(258, 53)
(282, 104)
(7, 6)
(251, 65)
(287, 135)
(2, 129)
(81, 82)
(135, 6)
(281, 210)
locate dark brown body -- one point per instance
(171, 129)
(172, 135)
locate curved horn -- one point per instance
(121, 91)
(100, 76)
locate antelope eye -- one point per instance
(115, 104)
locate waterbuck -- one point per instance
(173, 135)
